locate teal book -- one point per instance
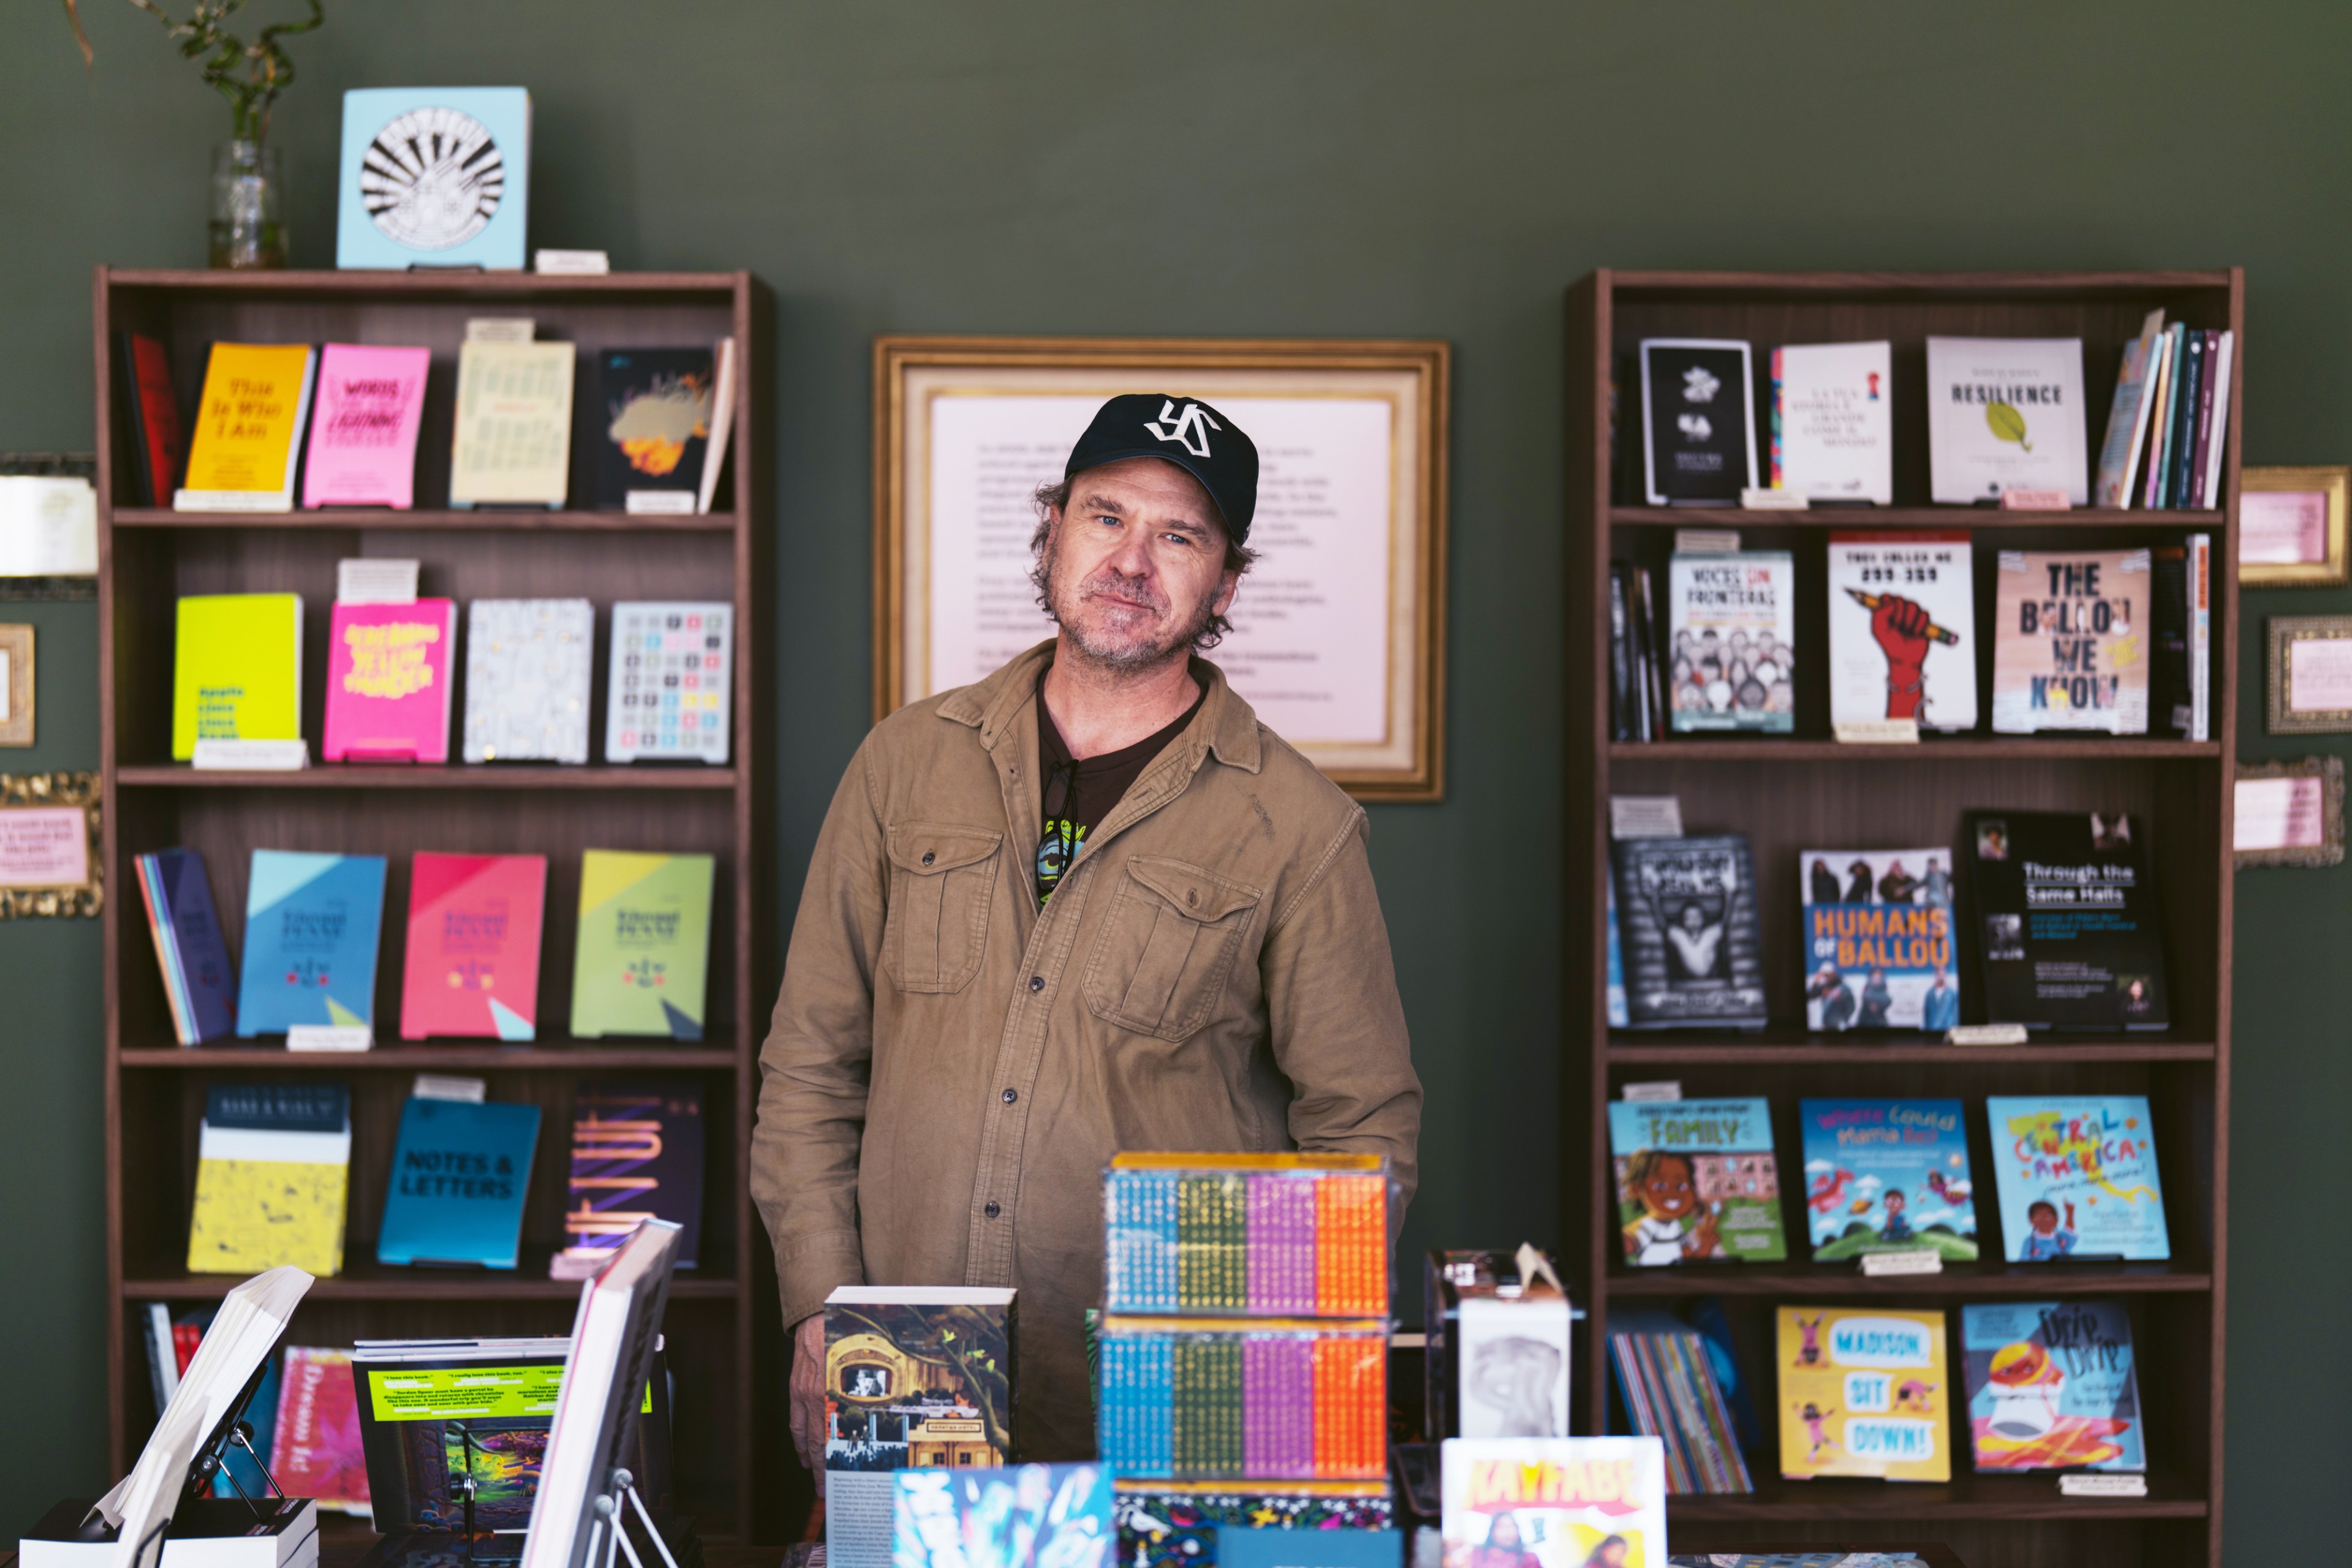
(311, 921)
(459, 1173)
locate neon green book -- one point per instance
(644, 944)
(238, 670)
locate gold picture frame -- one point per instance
(2306, 640)
(16, 687)
(2334, 483)
(62, 898)
(2329, 850)
(1401, 691)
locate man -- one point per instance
(1087, 905)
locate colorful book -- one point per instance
(1833, 422)
(1572, 1502)
(151, 414)
(191, 949)
(665, 698)
(311, 921)
(2052, 1387)
(2071, 637)
(1696, 1181)
(1731, 657)
(388, 681)
(1903, 633)
(2068, 937)
(1285, 1235)
(246, 441)
(655, 427)
(1666, 1374)
(2077, 1177)
(644, 946)
(318, 1453)
(1686, 916)
(527, 672)
(1887, 1175)
(459, 1173)
(1193, 1524)
(2127, 416)
(1878, 939)
(2005, 413)
(273, 1166)
(1012, 1517)
(370, 405)
(636, 1154)
(511, 443)
(236, 671)
(472, 969)
(1210, 1399)
(1864, 1392)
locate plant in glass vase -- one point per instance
(248, 224)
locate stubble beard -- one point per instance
(1127, 655)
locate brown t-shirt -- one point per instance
(1079, 793)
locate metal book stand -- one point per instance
(607, 1533)
(234, 1431)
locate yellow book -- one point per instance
(238, 670)
(247, 434)
(1865, 1391)
(266, 1196)
(512, 442)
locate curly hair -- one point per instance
(1056, 498)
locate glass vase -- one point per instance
(248, 224)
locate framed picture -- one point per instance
(50, 859)
(2290, 527)
(1338, 629)
(2290, 813)
(16, 685)
(2309, 681)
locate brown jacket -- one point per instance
(950, 1067)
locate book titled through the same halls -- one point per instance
(2067, 931)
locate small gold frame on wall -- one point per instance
(2312, 649)
(17, 685)
(34, 851)
(2329, 850)
(2332, 567)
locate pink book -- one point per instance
(473, 945)
(315, 1452)
(388, 681)
(363, 425)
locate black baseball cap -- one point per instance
(1180, 430)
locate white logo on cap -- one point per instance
(1189, 430)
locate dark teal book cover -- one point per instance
(459, 1174)
(311, 921)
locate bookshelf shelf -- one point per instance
(728, 1439)
(1804, 792)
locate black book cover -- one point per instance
(2067, 920)
(2183, 450)
(636, 1154)
(1646, 670)
(1622, 695)
(653, 430)
(1687, 909)
(1698, 438)
(2169, 698)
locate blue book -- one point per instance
(1279, 1548)
(459, 1173)
(1887, 1175)
(190, 947)
(1010, 1518)
(310, 927)
(2076, 1174)
(2051, 1387)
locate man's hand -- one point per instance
(808, 1395)
(1900, 625)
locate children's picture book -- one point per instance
(1878, 939)
(2073, 634)
(246, 441)
(472, 967)
(1833, 422)
(1903, 642)
(656, 425)
(511, 440)
(527, 672)
(1019, 1516)
(1864, 1392)
(1887, 1175)
(2077, 1176)
(459, 1173)
(236, 671)
(190, 948)
(273, 1164)
(310, 927)
(644, 945)
(2069, 935)
(2051, 1386)
(370, 405)
(1670, 1380)
(1698, 421)
(389, 682)
(1695, 1181)
(1731, 653)
(434, 176)
(1686, 918)
(2005, 413)
(317, 1453)
(1553, 1503)
(666, 697)
(636, 1154)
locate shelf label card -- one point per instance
(1877, 731)
(252, 756)
(1875, 1265)
(1664, 1091)
(1986, 1034)
(330, 1037)
(2101, 1485)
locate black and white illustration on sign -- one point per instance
(433, 178)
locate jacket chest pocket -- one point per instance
(942, 880)
(1167, 946)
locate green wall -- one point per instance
(1303, 168)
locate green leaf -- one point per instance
(2007, 423)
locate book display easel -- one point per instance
(1790, 793)
(155, 1091)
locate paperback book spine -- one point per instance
(2184, 423)
(1621, 657)
(1680, 1475)
(2200, 637)
(2204, 422)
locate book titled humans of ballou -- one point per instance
(458, 1175)
(2066, 922)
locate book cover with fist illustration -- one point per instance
(1902, 631)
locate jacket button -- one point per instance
(928, 856)
(991, 1210)
(1191, 897)
(1011, 1096)
(1036, 982)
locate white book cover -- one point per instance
(512, 438)
(1833, 422)
(2005, 413)
(2128, 417)
(1901, 629)
(665, 695)
(1732, 641)
(527, 669)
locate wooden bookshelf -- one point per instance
(1806, 791)
(724, 1345)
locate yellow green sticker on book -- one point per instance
(644, 944)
